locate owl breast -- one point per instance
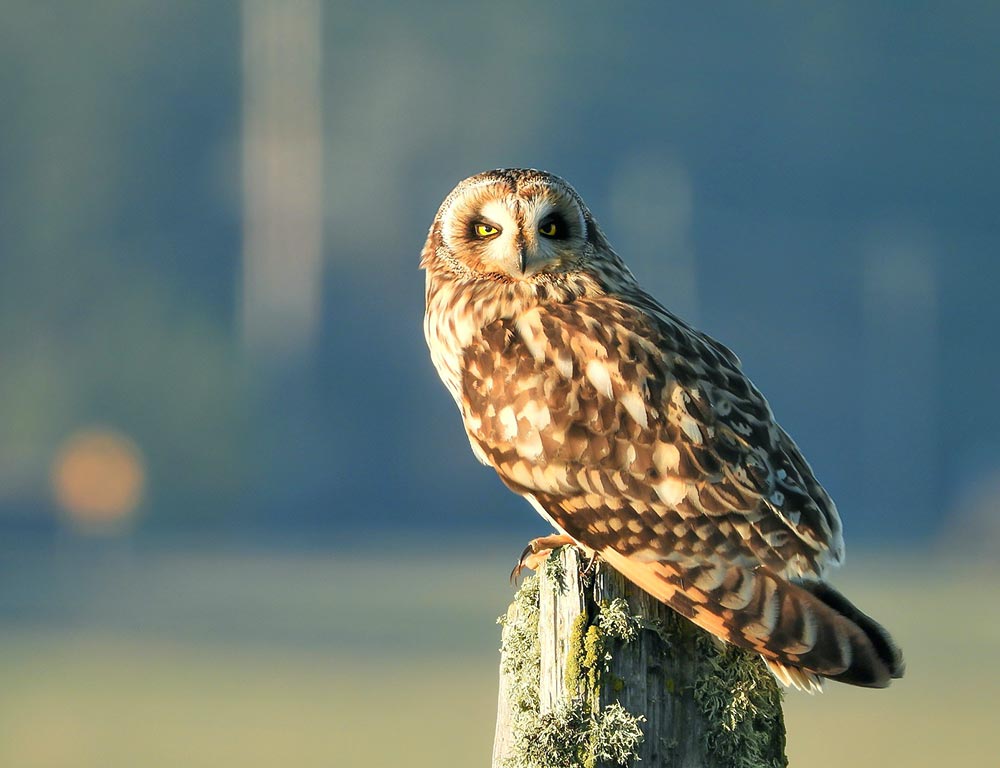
(456, 315)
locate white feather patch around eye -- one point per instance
(498, 213)
(542, 207)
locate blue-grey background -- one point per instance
(814, 185)
(837, 171)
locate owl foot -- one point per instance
(590, 567)
(537, 552)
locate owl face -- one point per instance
(514, 225)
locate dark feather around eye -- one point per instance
(553, 227)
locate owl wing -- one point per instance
(643, 440)
(632, 430)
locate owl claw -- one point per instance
(537, 552)
(591, 565)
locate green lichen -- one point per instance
(664, 629)
(742, 703)
(575, 671)
(521, 658)
(575, 734)
(615, 620)
(521, 638)
(739, 698)
(586, 658)
(595, 658)
(616, 735)
(555, 571)
(573, 737)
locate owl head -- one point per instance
(512, 225)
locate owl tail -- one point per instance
(804, 631)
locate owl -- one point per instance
(636, 436)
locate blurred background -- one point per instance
(239, 519)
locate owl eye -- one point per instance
(552, 227)
(483, 229)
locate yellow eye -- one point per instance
(548, 229)
(486, 230)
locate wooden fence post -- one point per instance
(595, 673)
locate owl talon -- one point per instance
(537, 552)
(521, 565)
(591, 566)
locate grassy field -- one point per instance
(211, 659)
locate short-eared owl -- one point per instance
(633, 434)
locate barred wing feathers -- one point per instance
(643, 440)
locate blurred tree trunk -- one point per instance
(595, 672)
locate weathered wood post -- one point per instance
(594, 672)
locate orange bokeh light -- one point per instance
(98, 476)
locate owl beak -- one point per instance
(533, 263)
(516, 263)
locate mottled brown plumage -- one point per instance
(633, 433)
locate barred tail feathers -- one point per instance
(804, 631)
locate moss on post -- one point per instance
(742, 704)
(635, 682)
(577, 732)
